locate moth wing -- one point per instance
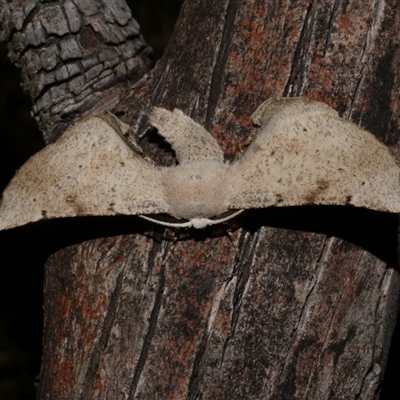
(189, 139)
(305, 154)
(89, 170)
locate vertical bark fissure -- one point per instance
(243, 269)
(367, 51)
(378, 316)
(297, 76)
(334, 11)
(325, 337)
(97, 351)
(193, 387)
(375, 368)
(197, 365)
(318, 266)
(149, 335)
(217, 81)
(306, 304)
(370, 383)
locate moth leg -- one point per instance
(123, 131)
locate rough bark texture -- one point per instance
(297, 303)
(70, 53)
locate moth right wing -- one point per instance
(89, 170)
(304, 153)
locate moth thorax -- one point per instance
(196, 190)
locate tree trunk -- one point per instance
(296, 303)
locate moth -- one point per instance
(302, 153)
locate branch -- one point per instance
(75, 57)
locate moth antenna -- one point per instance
(169, 224)
(221, 220)
(192, 223)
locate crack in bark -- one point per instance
(318, 266)
(326, 336)
(373, 375)
(97, 351)
(217, 81)
(149, 335)
(367, 50)
(193, 387)
(243, 275)
(300, 65)
(330, 25)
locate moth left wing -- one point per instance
(89, 170)
(304, 153)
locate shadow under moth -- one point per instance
(302, 153)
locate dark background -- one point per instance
(22, 266)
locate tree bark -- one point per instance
(75, 57)
(295, 303)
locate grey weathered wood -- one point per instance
(70, 53)
(297, 304)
